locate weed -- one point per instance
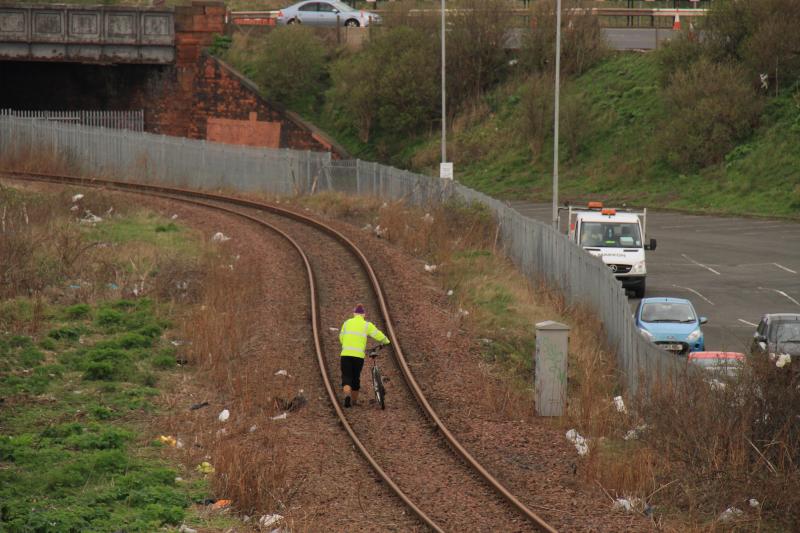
(68, 333)
(77, 311)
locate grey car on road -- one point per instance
(326, 13)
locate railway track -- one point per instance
(474, 480)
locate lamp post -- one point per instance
(555, 111)
(444, 102)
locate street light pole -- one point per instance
(444, 102)
(555, 111)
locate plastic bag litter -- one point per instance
(634, 433)
(581, 444)
(186, 529)
(334, 329)
(77, 198)
(380, 232)
(731, 513)
(205, 468)
(73, 208)
(224, 415)
(427, 218)
(430, 268)
(282, 373)
(171, 441)
(282, 416)
(221, 504)
(90, 218)
(368, 227)
(174, 217)
(628, 505)
(253, 428)
(270, 520)
(753, 502)
(220, 237)
(783, 360)
(620, 404)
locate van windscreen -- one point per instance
(610, 235)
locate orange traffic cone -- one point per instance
(677, 24)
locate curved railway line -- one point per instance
(505, 502)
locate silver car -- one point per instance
(326, 13)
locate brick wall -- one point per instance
(221, 92)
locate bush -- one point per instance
(713, 107)
(582, 42)
(677, 55)
(536, 111)
(77, 311)
(109, 318)
(390, 89)
(762, 34)
(476, 59)
(289, 67)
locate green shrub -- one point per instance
(30, 357)
(163, 361)
(167, 228)
(20, 341)
(77, 311)
(714, 108)
(109, 318)
(65, 333)
(390, 89)
(290, 65)
(99, 439)
(134, 340)
(48, 344)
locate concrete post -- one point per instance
(550, 368)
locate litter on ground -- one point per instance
(628, 505)
(224, 415)
(221, 504)
(731, 513)
(77, 198)
(753, 502)
(220, 237)
(270, 520)
(581, 444)
(186, 529)
(282, 373)
(430, 268)
(168, 440)
(205, 468)
(282, 416)
(197, 406)
(620, 404)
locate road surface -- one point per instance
(733, 270)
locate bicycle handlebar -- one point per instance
(373, 352)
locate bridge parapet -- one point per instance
(101, 34)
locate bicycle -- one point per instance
(377, 379)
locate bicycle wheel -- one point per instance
(377, 385)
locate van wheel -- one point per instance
(640, 291)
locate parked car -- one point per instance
(721, 364)
(328, 13)
(671, 323)
(778, 334)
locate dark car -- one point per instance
(778, 334)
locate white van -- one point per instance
(617, 236)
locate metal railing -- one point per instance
(121, 120)
(536, 248)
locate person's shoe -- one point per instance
(347, 401)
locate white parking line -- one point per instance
(746, 322)
(694, 291)
(784, 268)
(782, 294)
(700, 264)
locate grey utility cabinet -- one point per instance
(550, 368)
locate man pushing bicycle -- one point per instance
(353, 337)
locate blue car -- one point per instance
(671, 323)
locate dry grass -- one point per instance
(224, 346)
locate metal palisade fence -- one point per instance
(123, 120)
(537, 249)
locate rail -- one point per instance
(536, 249)
(456, 446)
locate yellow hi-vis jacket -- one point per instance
(353, 336)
